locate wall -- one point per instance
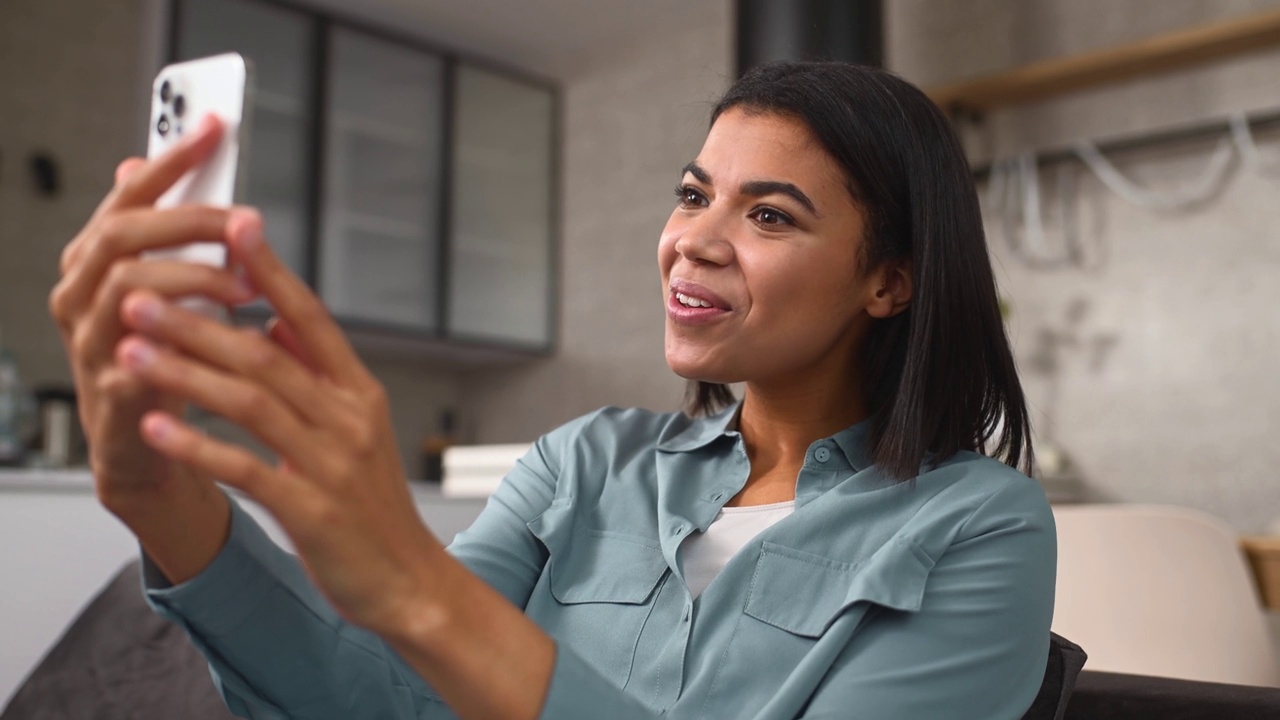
(75, 80)
(1155, 370)
(69, 85)
(631, 121)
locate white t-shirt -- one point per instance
(706, 554)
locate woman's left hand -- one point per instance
(339, 489)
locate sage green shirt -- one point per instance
(874, 599)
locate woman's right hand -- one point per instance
(103, 265)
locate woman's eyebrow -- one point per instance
(696, 170)
(758, 188)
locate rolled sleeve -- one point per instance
(276, 647)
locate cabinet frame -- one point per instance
(384, 336)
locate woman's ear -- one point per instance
(891, 289)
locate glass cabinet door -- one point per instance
(380, 237)
(279, 44)
(500, 255)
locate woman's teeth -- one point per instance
(691, 301)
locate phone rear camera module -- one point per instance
(162, 125)
(166, 91)
(179, 106)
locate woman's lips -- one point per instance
(698, 292)
(691, 314)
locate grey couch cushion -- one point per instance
(120, 661)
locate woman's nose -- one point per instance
(705, 241)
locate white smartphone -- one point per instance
(181, 96)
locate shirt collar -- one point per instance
(854, 441)
(702, 431)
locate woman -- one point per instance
(835, 545)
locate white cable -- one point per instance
(1032, 216)
(997, 184)
(1013, 195)
(1249, 152)
(1202, 189)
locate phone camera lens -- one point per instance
(166, 91)
(179, 106)
(162, 125)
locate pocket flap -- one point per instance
(804, 593)
(589, 566)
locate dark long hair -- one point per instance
(939, 377)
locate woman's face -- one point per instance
(760, 260)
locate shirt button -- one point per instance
(822, 454)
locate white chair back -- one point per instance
(1160, 591)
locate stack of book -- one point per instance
(476, 470)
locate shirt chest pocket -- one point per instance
(805, 594)
(595, 594)
(802, 609)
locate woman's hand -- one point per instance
(102, 265)
(339, 490)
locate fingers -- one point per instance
(76, 249)
(127, 168)
(285, 336)
(97, 335)
(317, 335)
(243, 354)
(127, 234)
(149, 181)
(240, 401)
(229, 464)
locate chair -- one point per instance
(1160, 591)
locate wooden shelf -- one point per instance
(1164, 53)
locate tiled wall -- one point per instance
(69, 87)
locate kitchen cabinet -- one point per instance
(415, 189)
(380, 239)
(503, 212)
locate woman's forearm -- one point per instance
(481, 653)
(181, 525)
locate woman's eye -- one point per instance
(690, 197)
(769, 216)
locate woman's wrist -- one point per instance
(181, 525)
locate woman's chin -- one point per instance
(699, 368)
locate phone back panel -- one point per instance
(182, 95)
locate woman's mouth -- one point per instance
(690, 304)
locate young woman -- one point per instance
(835, 545)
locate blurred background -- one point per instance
(477, 188)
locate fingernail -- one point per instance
(145, 311)
(158, 428)
(248, 229)
(139, 354)
(207, 123)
